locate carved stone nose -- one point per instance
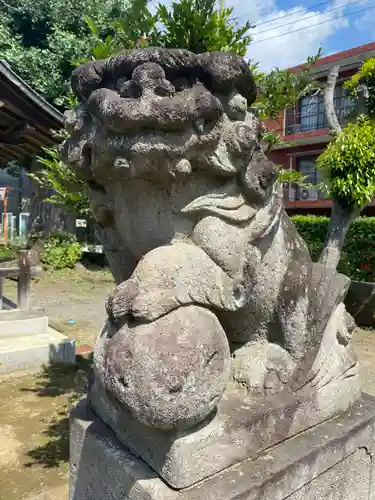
(148, 75)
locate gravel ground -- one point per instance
(77, 295)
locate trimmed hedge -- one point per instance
(358, 256)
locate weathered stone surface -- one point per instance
(242, 428)
(219, 306)
(219, 72)
(166, 381)
(333, 460)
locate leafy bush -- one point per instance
(348, 164)
(358, 256)
(61, 250)
(60, 183)
(365, 76)
(7, 252)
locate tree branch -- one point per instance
(329, 102)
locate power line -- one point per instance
(308, 17)
(276, 18)
(311, 25)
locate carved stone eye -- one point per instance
(164, 88)
(131, 89)
(181, 84)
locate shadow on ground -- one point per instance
(58, 380)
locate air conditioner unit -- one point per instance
(304, 194)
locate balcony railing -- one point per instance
(310, 115)
(298, 193)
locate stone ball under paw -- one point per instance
(170, 373)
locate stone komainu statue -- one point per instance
(221, 329)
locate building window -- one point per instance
(312, 116)
(306, 165)
(309, 113)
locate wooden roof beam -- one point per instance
(5, 157)
(15, 133)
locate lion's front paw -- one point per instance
(140, 302)
(150, 305)
(262, 367)
(119, 302)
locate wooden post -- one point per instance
(5, 228)
(23, 288)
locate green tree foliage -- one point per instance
(363, 82)
(41, 39)
(293, 177)
(44, 39)
(195, 25)
(135, 29)
(60, 183)
(348, 164)
(279, 89)
(198, 26)
(358, 255)
(60, 251)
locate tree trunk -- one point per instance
(329, 105)
(338, 226)
(341, 218)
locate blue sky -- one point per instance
(337, 26)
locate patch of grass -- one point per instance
(54, 448)
(57, 380)
(79, 274)
(7, 252)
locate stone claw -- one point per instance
(119, 302)
(149, 306)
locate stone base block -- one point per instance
(332, 460)
(28, 343)
(242, 428)
(31, 352)
(21, 323)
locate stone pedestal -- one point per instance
(27, 342)
(332, 460)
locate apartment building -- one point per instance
(305, 125)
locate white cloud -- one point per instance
(279, 47)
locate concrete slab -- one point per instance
(13, 314)
(23, 327)
(31, 352)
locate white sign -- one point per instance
(81, 223)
